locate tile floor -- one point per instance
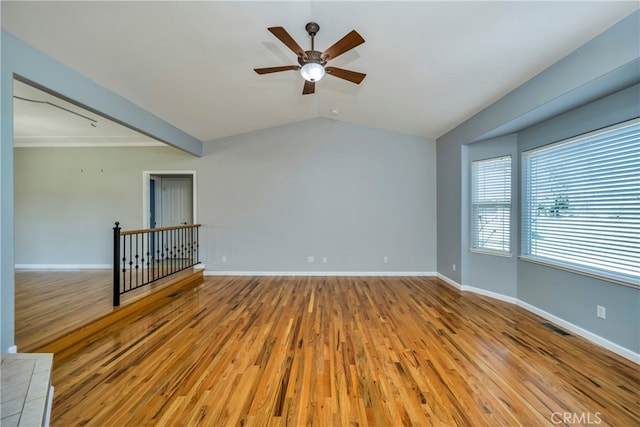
(26, 384)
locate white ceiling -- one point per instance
(430, 65)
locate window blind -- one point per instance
(491, 205)
(581, 203)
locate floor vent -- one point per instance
(176, 293)
(555, 329)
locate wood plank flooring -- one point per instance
(52, 303)
(332, 351)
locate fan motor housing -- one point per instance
(311, 56)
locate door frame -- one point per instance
(146, 176)
(153, 183)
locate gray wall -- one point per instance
(321, 188)
(449, 198)
(267, 199)
(569, 98)
(67, 200)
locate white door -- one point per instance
(177, 204)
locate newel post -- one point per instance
(116, 265)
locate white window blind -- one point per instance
(491, 205)
(581, 203)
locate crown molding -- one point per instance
(84, 141)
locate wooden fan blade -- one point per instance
(309, 87)
(343, 45)
(285, 38)
(352, 76)
(275, 69)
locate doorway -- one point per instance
(169, 198)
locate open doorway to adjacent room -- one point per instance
(169, 198)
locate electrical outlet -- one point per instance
(310, 259)
(223, 259)
(324, 259)
(454, 267)
(385, 259)
(601, 312)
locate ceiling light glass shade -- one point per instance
(312, 71)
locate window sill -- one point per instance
(500, 254)
(608, 278)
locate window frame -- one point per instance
(526, 225)
(473, 206)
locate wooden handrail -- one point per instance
(149, 230)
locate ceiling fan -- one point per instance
(312, 63)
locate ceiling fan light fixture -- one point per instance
(312, 71)
(312, 62)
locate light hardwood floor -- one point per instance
(340, 351)
(50, 304)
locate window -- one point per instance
(491, 205)
(581, 203)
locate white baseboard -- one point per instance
(597, 339)
(478, 291)
(63, 266)
(318, 273)
(449, 281)
(490, 294)
(618, 349)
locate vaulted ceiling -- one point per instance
(430, 65)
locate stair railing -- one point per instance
(141, 257)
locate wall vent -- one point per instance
(555, 329)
